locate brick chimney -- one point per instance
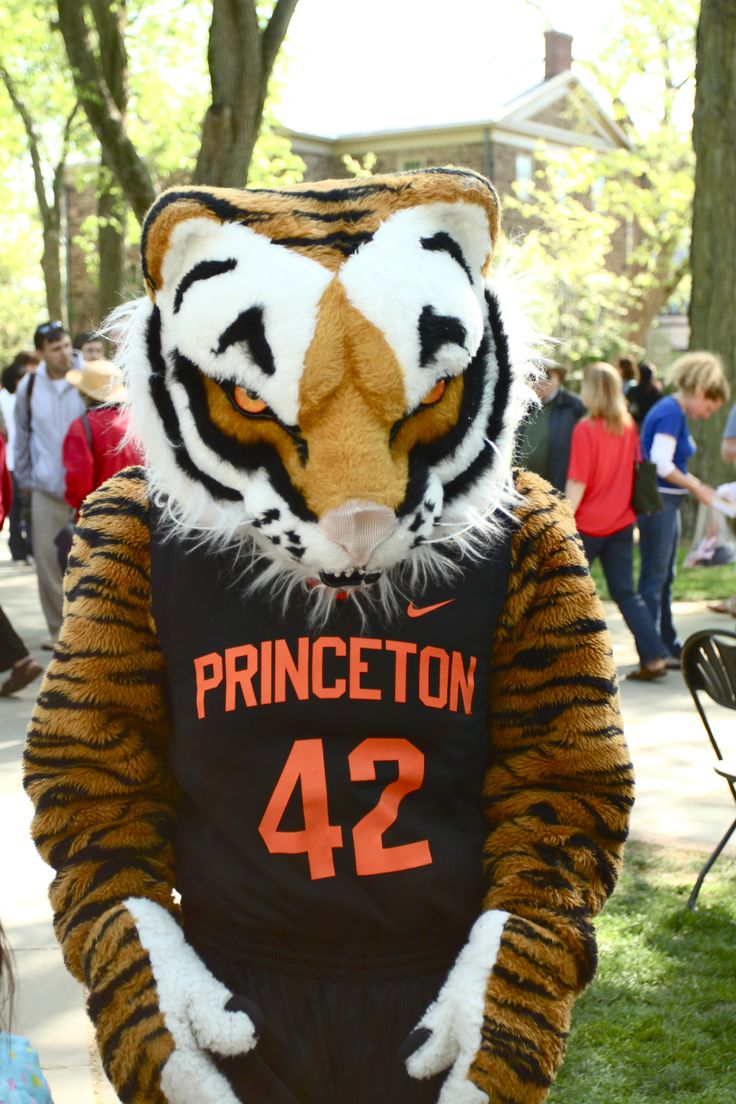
(557, 53)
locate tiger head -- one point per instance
(325, 374)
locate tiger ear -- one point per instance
(174, 218)
(470, 212)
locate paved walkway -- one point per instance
(679, 799)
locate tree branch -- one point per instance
(275, 32)
(33, 146)
(109, 20)
(102, 112)
(59, 170)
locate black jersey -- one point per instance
(331, 780)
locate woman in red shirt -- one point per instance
(600, 481)
(93, 449)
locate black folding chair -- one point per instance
(709, 667)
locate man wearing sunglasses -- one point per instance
(45, 407)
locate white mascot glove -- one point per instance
(448, 1036)
(195, 1013)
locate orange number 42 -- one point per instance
(318, 838)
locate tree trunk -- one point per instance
(655, 297)
(101, 110)
(240, 58)
(50, 213)
(51, 266)
(110, 21)
(713, 251)
(111, 211)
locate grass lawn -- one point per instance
(692, 584)
(658, 1025)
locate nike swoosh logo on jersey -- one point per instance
(419, 611)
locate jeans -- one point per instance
(12, 647)
(616, 552)
(19, 538)
(48, 516)
(659, 537)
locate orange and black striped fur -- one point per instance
(323, 420)
(335, 344)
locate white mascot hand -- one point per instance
(195, 1007)
(448, 1036)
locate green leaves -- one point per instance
(607, 233)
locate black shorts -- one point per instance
(332, 1027)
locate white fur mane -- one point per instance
(465, 530)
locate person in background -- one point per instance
(14, 655)
(544, 439)
(627, 372)
(94, 448)
(665, 438)
(46, 405)
(21, 1079)
(642, 397)
(728, 455)
(89, 345)
(600, 479)
(19, 539)
(728, 443)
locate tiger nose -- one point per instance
(359, 527)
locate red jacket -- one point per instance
(90, 463)
(6, 487)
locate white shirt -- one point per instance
(7, 408)
(55, 404)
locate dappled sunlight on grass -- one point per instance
(692, 584)
(658, 1025)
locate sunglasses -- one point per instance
(49, 328)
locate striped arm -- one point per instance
(95, 764)
(158, 1011)
(557, 797)
(132, 1036)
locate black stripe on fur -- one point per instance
(436, 330)
(501, 394)
(424, 457)
(444, 243)
(205, 270)
(169, 419)
(246, 458)
(249, 329)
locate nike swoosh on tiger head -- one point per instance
(419, 611)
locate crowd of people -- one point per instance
(589, 446)
(62, 434)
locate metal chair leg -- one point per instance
(701, 877)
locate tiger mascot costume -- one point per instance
(328, 760)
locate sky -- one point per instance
(361, 65)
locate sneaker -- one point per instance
(20, 675)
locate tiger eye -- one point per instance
(435, 394)
(248, 403)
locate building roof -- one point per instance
(514, 120)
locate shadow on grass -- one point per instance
(658, 1024)
(692, 584)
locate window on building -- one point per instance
(524, 175)
(596, 190)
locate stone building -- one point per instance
(558, 111)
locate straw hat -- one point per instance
(100, 380)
